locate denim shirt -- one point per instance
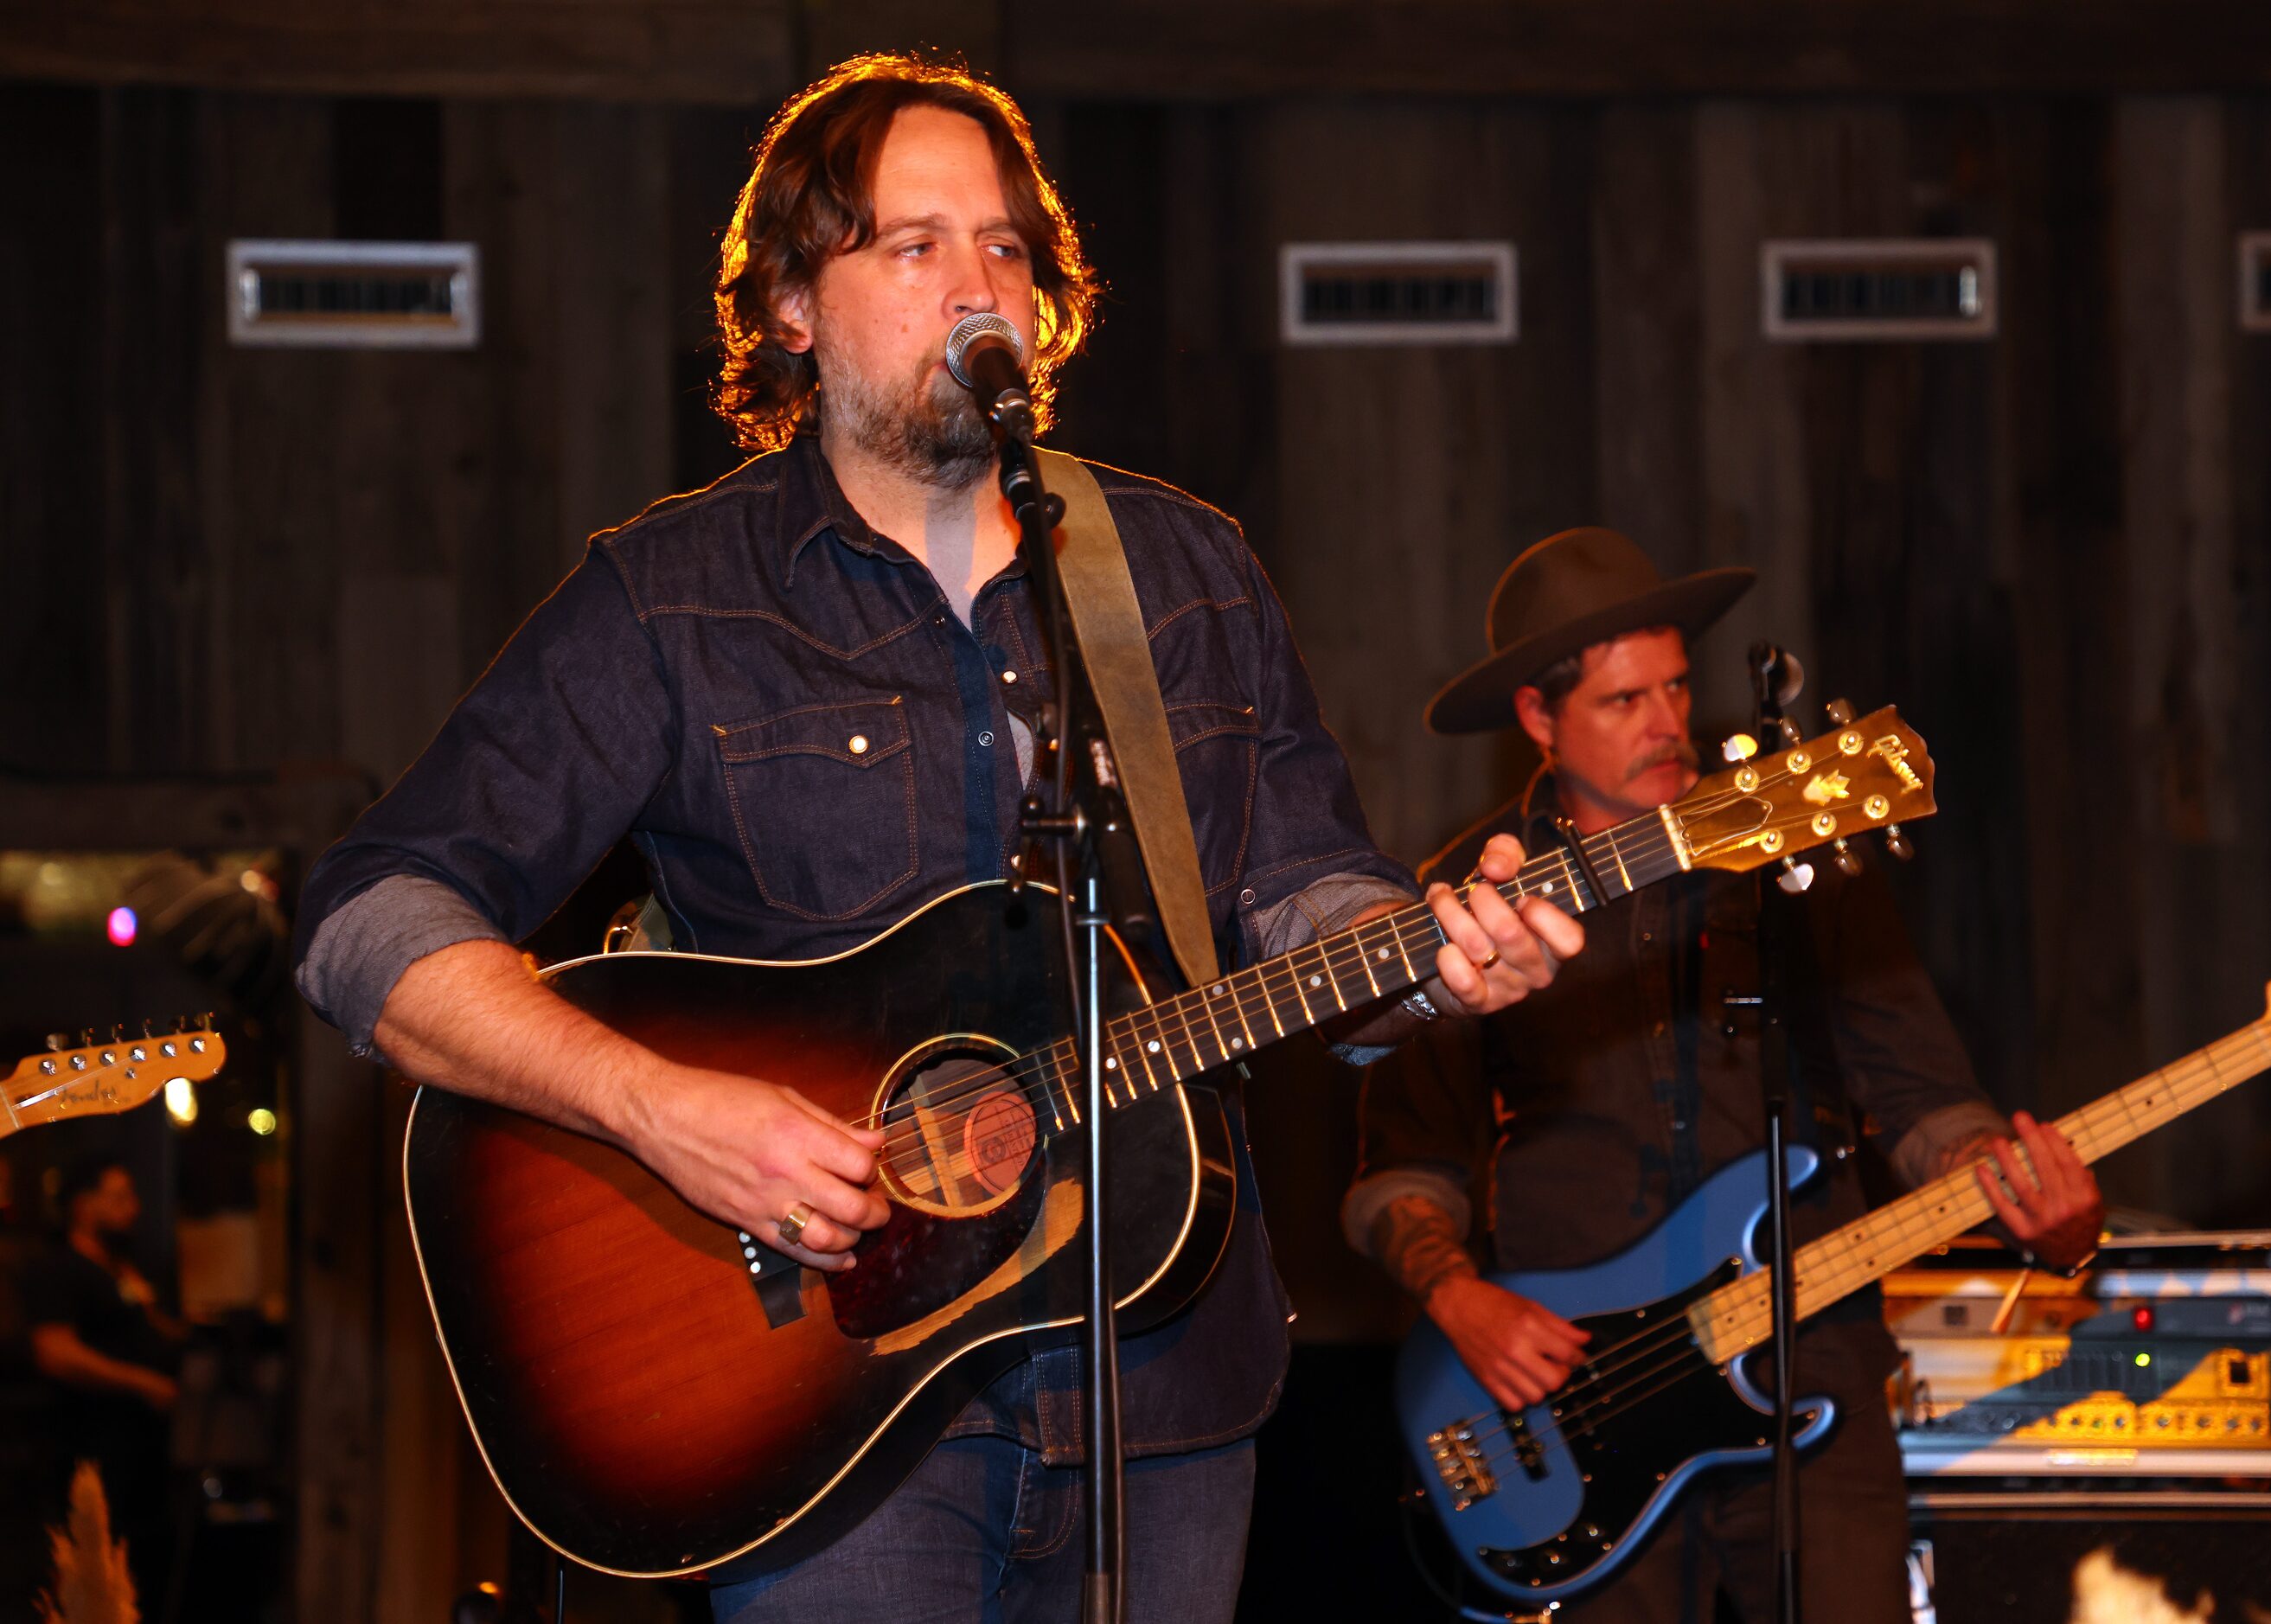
(806, 743)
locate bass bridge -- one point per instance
(1459, 1460)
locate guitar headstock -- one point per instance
(1868, 775)
(96, 1078)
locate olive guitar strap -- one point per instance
(1100, 598)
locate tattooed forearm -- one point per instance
(1415, 1240)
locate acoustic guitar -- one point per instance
(656, 1394)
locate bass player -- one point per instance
(1615, 1094)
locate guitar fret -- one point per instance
(1331, 979)
(1191, 1034)
(1206, 1002)
(1737, 1316)
(1238, 1003)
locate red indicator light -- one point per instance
(119, 927)
(2141, 1317)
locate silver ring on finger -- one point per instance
(792, 1227)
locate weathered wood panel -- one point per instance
(1606, 47)
(660, 50)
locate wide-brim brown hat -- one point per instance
(1563, 595)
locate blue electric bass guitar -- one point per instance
(1542, 1505)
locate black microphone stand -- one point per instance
(1079, 814)
(1774, 1075)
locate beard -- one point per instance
(928, 428)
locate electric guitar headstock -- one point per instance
(95, 1078)
(1865, 776)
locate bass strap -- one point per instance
(1100, 598)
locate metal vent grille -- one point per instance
(1398, 293)
(2255, 281)
(1880, 288)
(354, 295)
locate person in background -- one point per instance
(106, 1349)
(1602, 1102)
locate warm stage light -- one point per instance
(120, 926)
(180, 1100)
(260, 1120)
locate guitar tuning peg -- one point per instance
(86, 1038)
(1898, 843)
(1790, 732)
(117, 1032)
(1795, 875)
(180, 1023)
(145, 1029)
(1739, 746)
(58, 1041)
(207, 1020)
(1848, 860)
(1840, 713)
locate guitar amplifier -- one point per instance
(2096, 1448)
(2155, 1364)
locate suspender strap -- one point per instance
(1100, 598)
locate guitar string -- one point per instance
(1342, 954)
(1598, 1407)
(1360, 943)
(1567, 875)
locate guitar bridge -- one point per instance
(1458, 1456)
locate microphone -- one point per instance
(1772, 664)
(987, 358)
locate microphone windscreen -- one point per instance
(972, 329)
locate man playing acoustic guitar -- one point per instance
(1614, 1096)
(806, 694)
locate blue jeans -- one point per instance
(984, 1533)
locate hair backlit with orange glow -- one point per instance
(811, 195)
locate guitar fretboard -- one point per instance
(1737, 1316)
(1228, 1019)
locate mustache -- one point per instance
(1683, 752)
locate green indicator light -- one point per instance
(2144, 1359)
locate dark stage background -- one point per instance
(2051, 549)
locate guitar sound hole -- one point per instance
(960, 1132)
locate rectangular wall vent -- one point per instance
(1398, 293)
(1878, 289)
(2255, 281)
(354, 295)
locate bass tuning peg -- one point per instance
(1848, 860)
(1898, 843)
(1795, 875)
(1739, 746)
(1790, 732)
(1840, 713)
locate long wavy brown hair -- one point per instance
(810, 195)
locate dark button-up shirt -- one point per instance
(1600, 1102)
(807, 744)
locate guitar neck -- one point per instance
(1738, 1316)
(1177, 1039)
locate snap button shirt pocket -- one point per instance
(1218, 746)
(823, 799)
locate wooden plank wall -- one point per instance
(2054, 550)
(2050, 549)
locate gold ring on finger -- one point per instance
(792, 1227)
